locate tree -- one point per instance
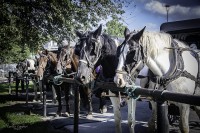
(31, 22)
(115, 28)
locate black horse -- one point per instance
(67, 66)
(99, 49)
(97, 69)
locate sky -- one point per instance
(152, 13)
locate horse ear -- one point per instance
(126, 32)
(98, 31)
(79, 34)
(139, 34)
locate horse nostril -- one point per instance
(120, 82)
(82, 78)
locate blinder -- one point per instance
(133, 63)
(96, 47)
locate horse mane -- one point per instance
(110, 46)
(155, 42)
(75, 59)
(52, 56)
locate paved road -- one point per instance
(104, 123)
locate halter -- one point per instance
(68, 61)
(137, 66)
(87, 61)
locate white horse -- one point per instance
(32, 69)
(161, 55)
(131, 104)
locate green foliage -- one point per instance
(15, 53)
(32, 22)
(2, 124)
(115, 28)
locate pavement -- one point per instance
(104, 123)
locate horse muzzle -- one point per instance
(119, 80)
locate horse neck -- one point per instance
(108, 59)
(74, 59)
(53, 58)
(157, 57)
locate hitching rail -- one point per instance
(160, 96)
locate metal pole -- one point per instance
(17, 85)
(167, 9)
(9, 81)
(44, 99)
(162, 119)
(27, 90)
(76, 109)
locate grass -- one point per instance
(13, 118)
(16, 117)
(4, 88)
(20, 118)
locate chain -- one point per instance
(129, 89)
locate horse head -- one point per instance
(42, 63)
(21, 68)
(130, 58)
(90, 45)
(64, 59)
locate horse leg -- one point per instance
(40, 88)
(35, 90)
(17, 86)
(197, 108)
(117, 114)
(54, 94)
(89, 98)
(184, 118)
(58, 90)
(66, 91)
(152, 120)
(102, 106)
(131, 114)
(22, 84)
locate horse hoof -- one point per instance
(66, 114)
(54, 101)
(89, 116)
(34, 101)
(104, 109)
(58, 114)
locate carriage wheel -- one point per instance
(173, 118)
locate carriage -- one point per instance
(186, 30)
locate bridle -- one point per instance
(64, 62)
(138, 62)
(42, 66)
(88, 62)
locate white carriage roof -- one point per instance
(51, 46)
